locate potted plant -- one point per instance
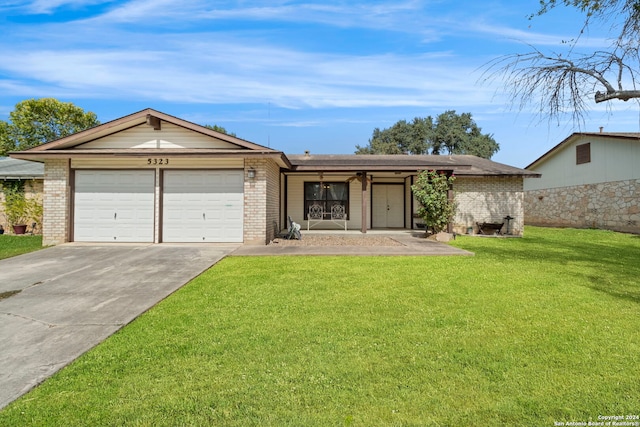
(17, 210)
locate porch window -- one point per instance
(326, 194)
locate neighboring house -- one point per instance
(152, 177)
(11, 170)
(589, 180)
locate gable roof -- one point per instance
(145, 116)
(20, 169)
(68, 146)
(627, 136)
(464, 165)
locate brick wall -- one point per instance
(56, 202)
(488, 199)
(261, 201)
(273, 201)
(608, 205)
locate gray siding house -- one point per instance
(588, 180)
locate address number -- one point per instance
(157, 161)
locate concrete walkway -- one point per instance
(73, 296)
(412, 244)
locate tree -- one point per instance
(219, 129)
(450, 132)
(431, 190)
(36, 121)
(401, 138)
(562, 82)
(4, 140)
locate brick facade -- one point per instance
(607, 205)
(55, 227)
(478, 199)
(261, 201)
(488, 199)
(261, 198)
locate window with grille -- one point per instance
(326, 194)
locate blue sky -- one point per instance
(292, 75)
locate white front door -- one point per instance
(203, 206)
(388, 206)
(114, 206)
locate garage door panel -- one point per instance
(203, 206)
(114, 206)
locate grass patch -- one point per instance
(8, 294)
(17, 245)
(527, 332)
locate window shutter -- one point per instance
(583, 153)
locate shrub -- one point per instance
(431, 190)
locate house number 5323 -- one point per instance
(157, 161)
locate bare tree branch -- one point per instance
(560, 85)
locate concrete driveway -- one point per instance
(74, 296)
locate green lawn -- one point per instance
(17, 245)
(528, 332)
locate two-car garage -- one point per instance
(189, 206)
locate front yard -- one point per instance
(17, 245)
(532, 331)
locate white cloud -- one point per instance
(47, 6)
(406, 16)
(234, 72)
(534, 38)
(141, 50)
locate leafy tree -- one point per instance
(219, 129)
(560, 82)
(4, 140)
(450, 132)
(431, 190)
(36, 121)
(401, 138)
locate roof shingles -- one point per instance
(20, 169)
(459, 164)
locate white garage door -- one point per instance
(114, 206)
(203, 206)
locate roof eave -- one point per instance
(373, 168)
(41, 156)
(20, 177)
(505, 175)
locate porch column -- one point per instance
(364, 202)
(450, 198)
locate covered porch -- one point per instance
(355, 193)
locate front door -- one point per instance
(388, 206)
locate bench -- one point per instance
(489, 228)
(317, 215)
